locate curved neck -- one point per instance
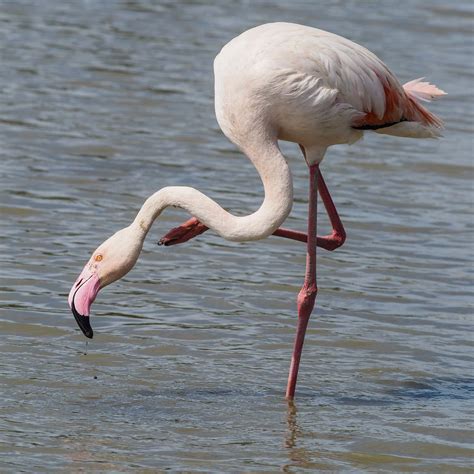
(277, 183)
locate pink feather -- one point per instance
(422, 90)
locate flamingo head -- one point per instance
(109, 262)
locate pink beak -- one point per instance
(81, 297)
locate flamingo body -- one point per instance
(313, 88)
(278, 81)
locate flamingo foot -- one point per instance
(186, 231)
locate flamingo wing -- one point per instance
(366, 83)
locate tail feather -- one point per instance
(422, 90)
(417, 91)
(419, 121)
(404, 115)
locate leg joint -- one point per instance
(309, 290)
(339, 238)
(307, 296)
(335, 240)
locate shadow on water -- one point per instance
(436, 388)
(427, 389)
(433, 389)
(211, 394)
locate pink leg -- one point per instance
(338, 235)
(328, 242)
(192, 227)
(307, 294)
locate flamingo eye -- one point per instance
(98, 257)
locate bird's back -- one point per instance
(311, 86)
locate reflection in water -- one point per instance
(298, 455)
(293, 430)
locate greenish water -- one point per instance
(103, 103)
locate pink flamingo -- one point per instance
(278, 81)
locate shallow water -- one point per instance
(102, 103)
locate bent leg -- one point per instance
(338, 235)
(192, 227)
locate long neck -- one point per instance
(277, 183)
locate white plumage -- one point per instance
(311, 87)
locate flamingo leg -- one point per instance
(307, 294)
(328, 242)
(192, 227)
(184, 232)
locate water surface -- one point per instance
(103, 103)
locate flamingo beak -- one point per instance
(81, 297)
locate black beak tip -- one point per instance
(83, 322)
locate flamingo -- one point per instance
(277, 81)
